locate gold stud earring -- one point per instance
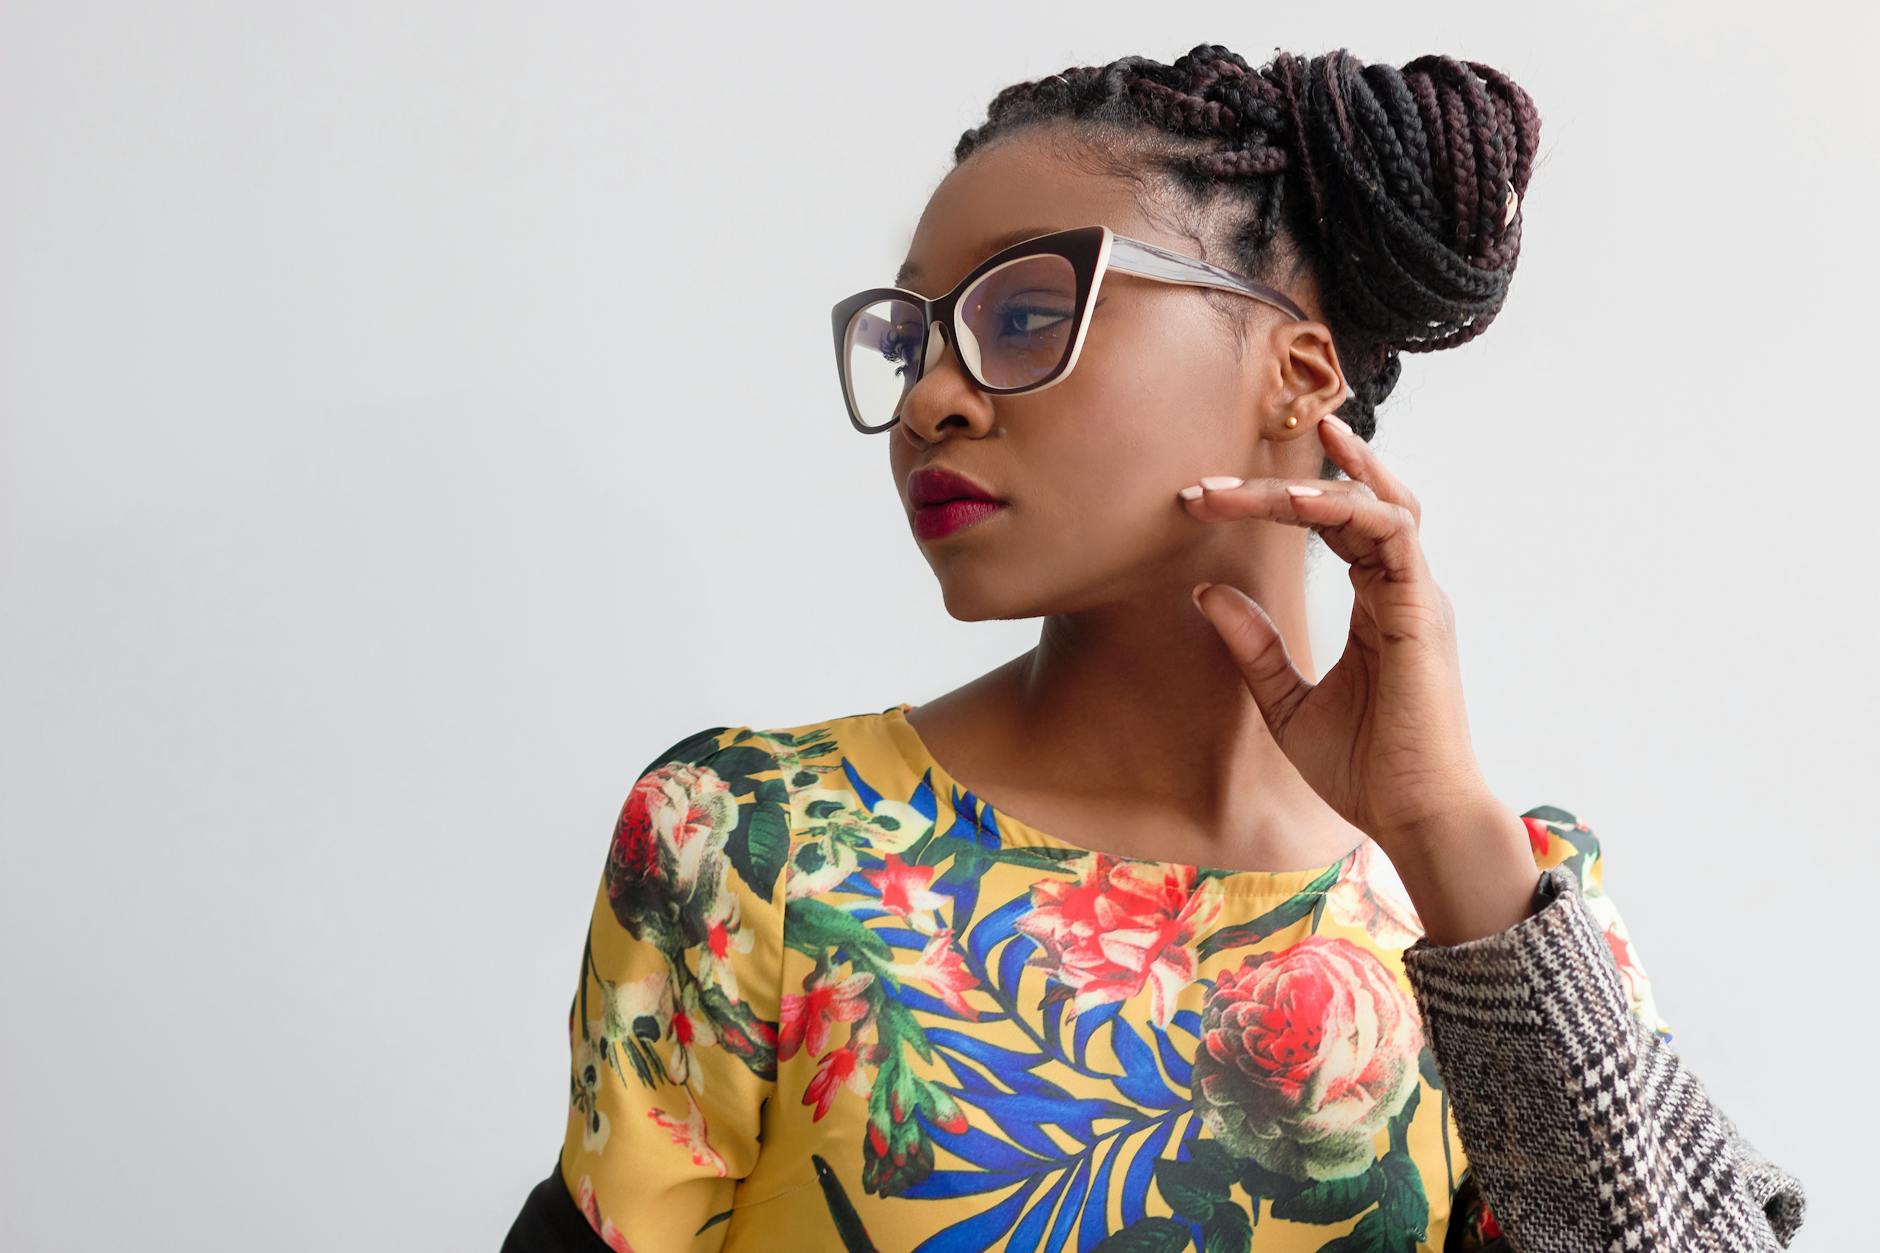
(1292, 420)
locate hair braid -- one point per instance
(1393, 184)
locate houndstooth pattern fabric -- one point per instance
(1584, 1127)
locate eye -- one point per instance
(896, 345)
(1030, 319)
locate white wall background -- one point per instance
(390, 465)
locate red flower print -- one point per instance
(603, 1227)
(1305, 1054)
(692, 1133)
(667, 865)
(941, 968)
(1638, 986)
(1120, 927)
(807, 1018)
(838, 1069)
(1490, 1228)
(1538, 835)
(1371, 895)
(906, 890)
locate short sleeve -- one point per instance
(672, 1031)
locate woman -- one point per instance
(1034, 965)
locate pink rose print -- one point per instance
(1121, 927)
(1305, 1055)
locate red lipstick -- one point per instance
(945, 501)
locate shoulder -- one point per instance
(732, 797)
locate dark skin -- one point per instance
(1147, 722)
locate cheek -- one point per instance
(1140, 435)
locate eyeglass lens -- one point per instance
(1014, 328)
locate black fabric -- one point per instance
(550, 1221)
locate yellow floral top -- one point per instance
(832, 1000)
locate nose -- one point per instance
(967, 347)
(928, 395)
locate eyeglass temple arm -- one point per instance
(1135, 256)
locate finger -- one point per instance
(1358, 459)
(1359, 527)
(1258, 650)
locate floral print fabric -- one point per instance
(831, 1000)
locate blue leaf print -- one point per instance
(1001, 1061)
(981, 1231)
(1087, 1023)
(1096, 1225)
(868, 795)
(1180, 1069)
(1012, 962)
(950, 1183)
(1073, 1203)
(1140, 1081)
(988, 1152)
(1000, 924)
(1025, 1237)
(1136, 1178)
(903, 937)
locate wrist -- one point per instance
(1469, 873)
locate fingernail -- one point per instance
(1220, 482)
(1191, 493)
(1195, 594)
(1300, 489)
(1340, 423)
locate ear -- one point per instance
(1311, 382)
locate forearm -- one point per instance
(1584, 1127)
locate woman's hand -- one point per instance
(1383, 737)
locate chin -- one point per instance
(988, 599)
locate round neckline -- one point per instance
(1017, 832)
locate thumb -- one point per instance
(1256, 646)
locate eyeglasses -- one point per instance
(1017, 320)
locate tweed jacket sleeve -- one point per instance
(1583, 1128)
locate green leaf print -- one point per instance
(1371, 1235)
(1400, 1123)
(759, 844)
(813, 927)
(1333, 1200)
(1287, 912)
(1148, 1235)
(1228, 1231)
(1406, 1210)
(1190, 1189)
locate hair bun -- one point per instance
(1415, 178)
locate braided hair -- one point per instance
(1398, 187)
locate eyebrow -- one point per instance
(909, 272)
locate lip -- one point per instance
(937, 484)
(946, 501)
(948, 516)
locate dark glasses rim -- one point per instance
(1091, 251)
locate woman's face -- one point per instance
(1092, 465)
